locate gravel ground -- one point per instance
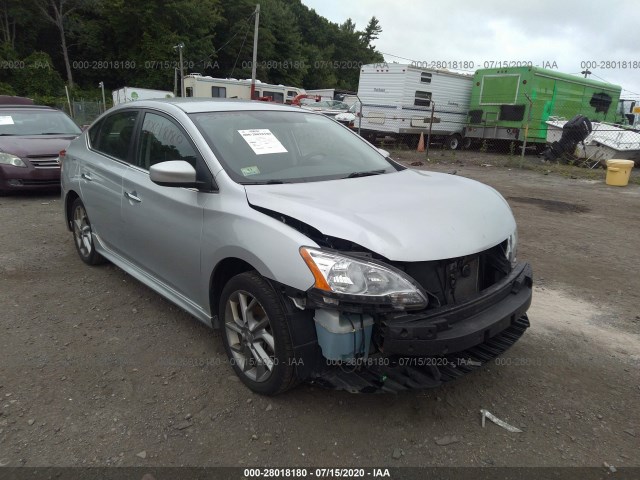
(96, 369)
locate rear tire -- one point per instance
(256, 334)
(467, 143)
(369, 137)
(453, 141)
(413, 140)
(83, 234)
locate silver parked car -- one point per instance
(323, 261)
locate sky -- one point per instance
(565, 35)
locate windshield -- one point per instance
(337, 105)
(332, 104)
(288, 147)
(36, 122)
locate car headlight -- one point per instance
(8, 159)
(353, 279)
(511, 247)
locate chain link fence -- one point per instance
(586, 143)
(516, 113)
(83, 112)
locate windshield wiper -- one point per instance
(265, 182)
(8, 134)
(366, 174)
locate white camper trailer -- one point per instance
(131, 94)
(398, 100)
(200, 86)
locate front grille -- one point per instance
(45, 162)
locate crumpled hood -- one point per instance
(405, 216)
(35, 145)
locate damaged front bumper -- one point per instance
(426, 349)
(452, 329)
(392, 375)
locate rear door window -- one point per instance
(113, 135)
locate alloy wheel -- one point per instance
(250, 336)
(82, 231)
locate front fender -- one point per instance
(268, 245)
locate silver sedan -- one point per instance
(320, 258)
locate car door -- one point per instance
(101, 171)
(163, 225)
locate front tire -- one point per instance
(83, 235)
(256, 334)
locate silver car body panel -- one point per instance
(100, 182)
(421, 220)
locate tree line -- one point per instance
(46, 44)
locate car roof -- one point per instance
(198, 105)
(26, 107)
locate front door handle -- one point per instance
(86, 177)
(133, 196)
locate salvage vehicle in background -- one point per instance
(310, 255)
(349, 117)
(514, 104)
(330, 108)
(31, 137)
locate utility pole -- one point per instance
(526, 129)
(104, 101)
(255, 53)
(175, 82)
(179, 47)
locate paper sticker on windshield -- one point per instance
(6, 120)
(262, 141)
(246, 171)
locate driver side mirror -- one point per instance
(384, 153)
(174, 173)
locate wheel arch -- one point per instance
(225, 269)
(68, 203)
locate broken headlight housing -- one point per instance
(353, 279)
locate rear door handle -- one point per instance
(86, 177)
(133, 196)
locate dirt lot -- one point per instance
(96, 369)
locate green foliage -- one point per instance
(124, 42)
(6, 89)
(28, 76)
(38, 77)
(20, 25)
(372, 32)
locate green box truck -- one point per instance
(510, 103)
